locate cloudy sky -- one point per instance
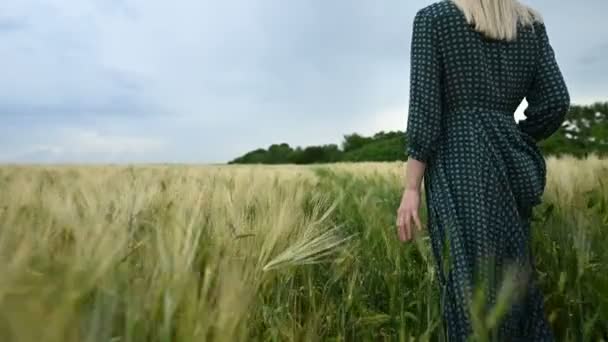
(204, 81)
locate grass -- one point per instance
(268, 253)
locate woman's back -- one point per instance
(484, 171)
(478, 72)
(481, 72)
(464, 84)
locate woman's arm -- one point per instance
(425, 99)
(414, 174)
(410, 200)
(424, 118)
(548, 98)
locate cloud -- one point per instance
(213, 79)
(10, 24)
(51, 66)
(595, 55)
(394, 119)
(84, 145)
(85, 142)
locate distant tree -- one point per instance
(278, 154)
(253, 157)
(383, 147)
(354, 141)
(585, 130)
(319, 154)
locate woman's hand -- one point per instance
(408, 211)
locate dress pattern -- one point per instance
(484, 170)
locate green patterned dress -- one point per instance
(484, 170)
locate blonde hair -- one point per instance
(498, 19)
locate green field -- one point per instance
(262, 253)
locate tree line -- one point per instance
(584, 131)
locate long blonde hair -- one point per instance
(497, 19)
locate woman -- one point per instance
(472, 63)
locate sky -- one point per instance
(205, 81)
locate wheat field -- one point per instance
(262, 253)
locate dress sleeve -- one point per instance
(425, 103)
(548, 99)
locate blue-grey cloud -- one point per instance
(204, 81)
(11, 24)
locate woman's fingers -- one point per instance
(417, 220)
(401, 225)
(402, 229)
(405, 225)
(407, 232)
